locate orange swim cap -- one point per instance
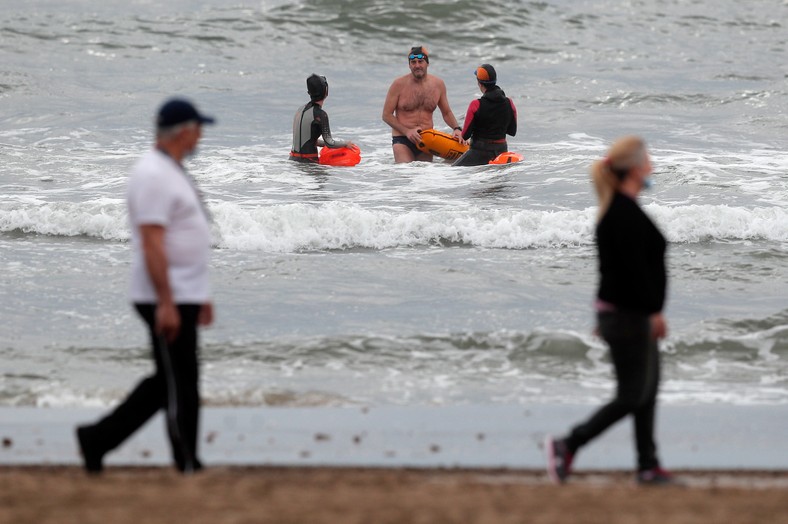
(485, 73)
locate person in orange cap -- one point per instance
(488, 120)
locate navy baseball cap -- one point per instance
(178, 111)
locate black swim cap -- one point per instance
(419, 52)
(317, 87)
(485, 74)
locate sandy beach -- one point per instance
(465, 464)
(364, 495)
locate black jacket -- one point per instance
(631, 258)
(490, 117)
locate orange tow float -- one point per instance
(340, 156)
(441, 144)
(506, 158)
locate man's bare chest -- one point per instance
(418, 99)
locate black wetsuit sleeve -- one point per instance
(325, 130)
(512, 129)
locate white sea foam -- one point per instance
(340, 225)
(698, 223)
(101, 217)
(333, 225)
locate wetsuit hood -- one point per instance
(317, 87)
(494, 94)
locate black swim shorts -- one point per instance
(399, 139)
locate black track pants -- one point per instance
(635, 358)
(173, 387)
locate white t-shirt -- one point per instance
(160, 193)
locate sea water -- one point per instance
(395, 284)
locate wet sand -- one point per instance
(468, 464)
(692, 438)
(64, 494)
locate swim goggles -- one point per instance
(420, 56)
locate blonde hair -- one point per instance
(607, 174)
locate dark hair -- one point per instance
(317, 87)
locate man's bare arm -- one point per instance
(168, 320)
(389, 108)
(448, 114)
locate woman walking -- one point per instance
(629, 304)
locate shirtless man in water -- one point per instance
(409, 106)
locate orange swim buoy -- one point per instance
(441, 144)
(340, 156)
(507, 158)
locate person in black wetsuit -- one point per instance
(488, 120)
(630, 299)
(311, 122)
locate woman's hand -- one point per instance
(659, 326)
